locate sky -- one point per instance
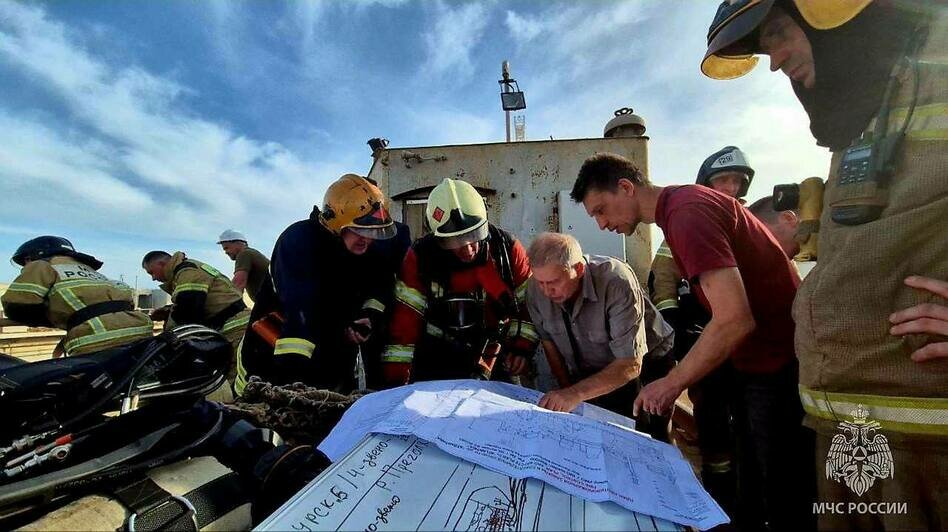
(132, 126)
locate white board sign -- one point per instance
(405, 483)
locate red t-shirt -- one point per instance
(707, 230)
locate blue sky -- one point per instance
(131, 126)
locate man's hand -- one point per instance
(161, 314)
(927, 318)
(516, 364)
(565, 400)
(658, 397)
(356, 337)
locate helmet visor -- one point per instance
(729, 54)
(375, 233)
(377, 225)
(458, 241)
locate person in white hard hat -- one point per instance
(251, 269)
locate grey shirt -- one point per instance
(611, 318)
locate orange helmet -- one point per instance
(354, 203)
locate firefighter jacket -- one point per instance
(96, 312)
(672, 296)
(204, 296)
(318, 289)
(421, 343)
(665, 279)
(847, 356)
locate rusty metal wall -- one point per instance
(526, 177)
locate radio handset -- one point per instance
(862, 187)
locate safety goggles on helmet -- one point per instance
(355, 203)
(377, 225)
(456, 214)
(459, 241)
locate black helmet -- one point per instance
(727, 159)
(43, 247)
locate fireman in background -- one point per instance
(333, 276)
(460, 309)
(728, 172)
(201, 295)
(61, 287)
(872, 78)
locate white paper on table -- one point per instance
(405, 483)
(582, 456)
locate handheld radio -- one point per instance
(867, 167)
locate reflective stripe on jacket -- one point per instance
(49, 292)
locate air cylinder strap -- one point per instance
(154, 508)
(97, 309)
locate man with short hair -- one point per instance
(251, 268)
(782, 224)
(746, 282)
(729, 172)
(200, 294)
(595, 324)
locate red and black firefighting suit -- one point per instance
(422, 343)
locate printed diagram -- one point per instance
(488, 508)
(528, 426)
(410, 485)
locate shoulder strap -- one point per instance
(183, 266)
(426, 250)
(501, 248)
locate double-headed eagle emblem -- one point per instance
(858, 456)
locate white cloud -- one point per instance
(580, 63)
(36, 159)
(129, 156)
(454, 35)
(524, 29)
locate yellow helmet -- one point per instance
(354, 203)
(824, 15)
(456, 213)
(730, 53)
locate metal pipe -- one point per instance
(507, 113)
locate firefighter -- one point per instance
(333, 276)
(728, 172)
(460, 297)
(200, 294)
(872, 79)
(62, 288)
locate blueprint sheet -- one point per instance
(500, 428)
(405, 483)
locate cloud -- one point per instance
(579, 62)
(127, 148)
(455, 33)
(128, 155)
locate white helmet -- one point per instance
(231, 236)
